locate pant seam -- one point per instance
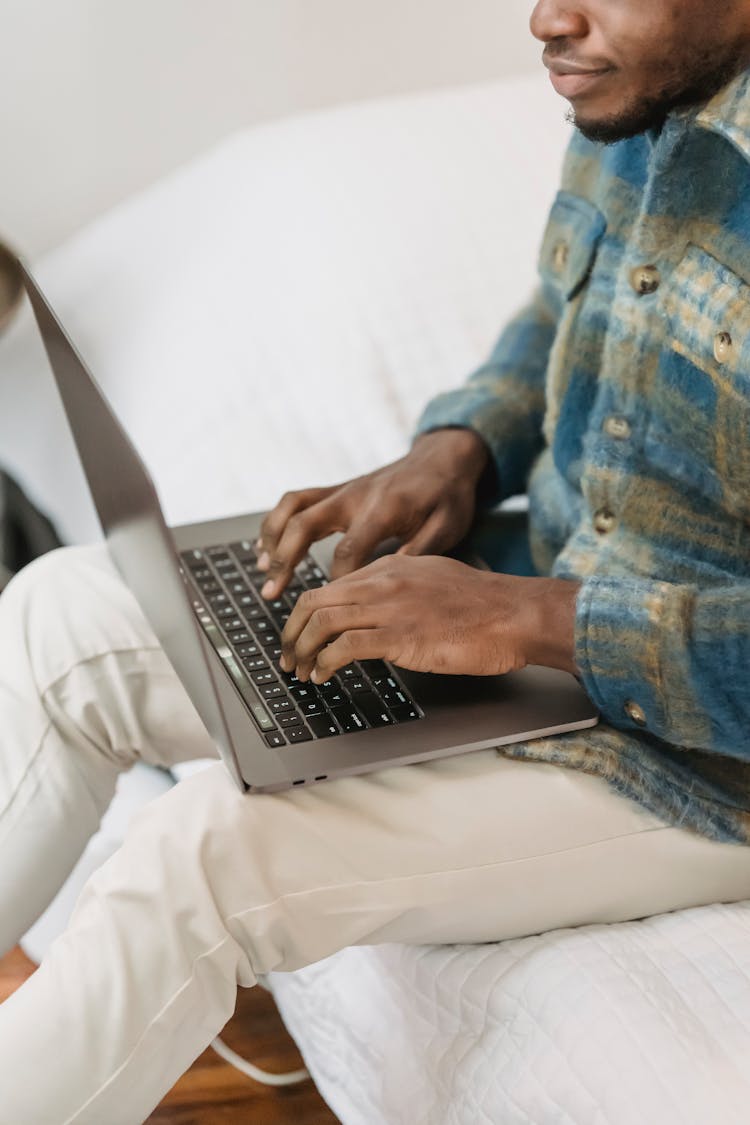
(165, 1007)
(436, 874)
(119, 651)
(27, 771)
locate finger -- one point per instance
(323, 627)
(276, 520)
(303, 528)
(437, 534)
(355, 549)
(357, 644)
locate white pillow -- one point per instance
(277, 313)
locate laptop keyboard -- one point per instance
(244, 629)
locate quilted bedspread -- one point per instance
(641, 1023)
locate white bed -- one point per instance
(276, 314)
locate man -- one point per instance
(622, 397)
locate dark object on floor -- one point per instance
(25, 532)
(11, 286)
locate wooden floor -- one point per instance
(214, 1093)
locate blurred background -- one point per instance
(100, 99)
(324, 209)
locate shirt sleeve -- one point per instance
(504, 401)
(668, 658)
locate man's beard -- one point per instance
(650, 112)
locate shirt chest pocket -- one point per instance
(569, 246)
(699, 429)
(577, 294)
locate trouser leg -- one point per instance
(85, 691)
(212, 888)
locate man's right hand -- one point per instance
(426, 500)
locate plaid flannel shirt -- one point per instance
(620, 400)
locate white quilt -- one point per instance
(275, 315)
(640, 1023)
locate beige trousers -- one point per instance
(212, 888)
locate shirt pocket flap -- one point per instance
(570, 242)
(699, 430)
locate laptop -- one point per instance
(198, 586)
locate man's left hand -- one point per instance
(431, 614)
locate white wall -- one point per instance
(101, 97)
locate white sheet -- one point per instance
(277, 313)
(641, 1023)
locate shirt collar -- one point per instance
(728, 113)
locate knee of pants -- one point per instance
(176, 878)
(206, 867)
(68, 606)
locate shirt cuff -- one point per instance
(630, 650)
(504, 429)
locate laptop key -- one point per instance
(230, 573)
(302, 692)
(272, 691)
(240, 637)
(279, 706)
(405, 712)
(225, 611)
(350, 672)
(248, 650)
(322, 726)
(209, 586)
(276, 739)
(383, 683)
(255, 663)
(394, 698)
(194, 559)
(298, 734)
(348, 718)
(336, 698)
(373, 710)
(290, 720)
(311, 706)
(263, 677)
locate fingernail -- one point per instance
(259, 544)
(285, 664)
(315, 676)
(264, 561)
(267, 590)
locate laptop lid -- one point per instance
(130, 514)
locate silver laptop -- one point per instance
(198, 586)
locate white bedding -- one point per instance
(641, 1023)
(275, 315)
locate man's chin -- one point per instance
(613, 129)
(609, 130)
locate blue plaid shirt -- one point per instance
(620, 400)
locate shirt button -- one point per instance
(604, 521)
(560, 257)
(645, 280)
(635, 712)
(722, 347)
(617, 427)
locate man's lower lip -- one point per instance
(571, 85)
